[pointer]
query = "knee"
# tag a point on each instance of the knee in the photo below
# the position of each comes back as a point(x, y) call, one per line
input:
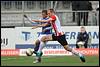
point(66, 47)
point(43, 39)
point(37, 42)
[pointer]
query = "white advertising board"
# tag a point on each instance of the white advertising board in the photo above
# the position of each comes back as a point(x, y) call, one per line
point(72, 31)
point(8, 38)
point(25, 35)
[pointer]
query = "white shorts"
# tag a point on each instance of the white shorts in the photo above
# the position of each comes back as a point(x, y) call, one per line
point(41, 35)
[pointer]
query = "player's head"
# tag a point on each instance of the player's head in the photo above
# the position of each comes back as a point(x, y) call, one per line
point(51, 12)
point(82, 29)
point(44, 13)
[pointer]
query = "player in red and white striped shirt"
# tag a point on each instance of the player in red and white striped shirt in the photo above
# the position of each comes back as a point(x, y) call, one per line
point(59, 34)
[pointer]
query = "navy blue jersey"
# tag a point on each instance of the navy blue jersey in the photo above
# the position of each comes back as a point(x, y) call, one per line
point(83, 36)
point(48, 28)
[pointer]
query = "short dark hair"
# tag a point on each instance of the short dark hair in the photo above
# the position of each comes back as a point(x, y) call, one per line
point(82, 27)
point(52, 10)
point(44, 11)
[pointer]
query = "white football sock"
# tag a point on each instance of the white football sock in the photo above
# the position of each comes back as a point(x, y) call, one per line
point(76, 52)
point(41, 46)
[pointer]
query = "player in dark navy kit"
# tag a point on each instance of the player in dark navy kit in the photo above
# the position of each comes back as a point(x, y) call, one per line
point(46, 30)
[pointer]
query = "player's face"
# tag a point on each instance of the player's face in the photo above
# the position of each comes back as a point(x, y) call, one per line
point(44, 15)
point(82, 30)
point(49, 13)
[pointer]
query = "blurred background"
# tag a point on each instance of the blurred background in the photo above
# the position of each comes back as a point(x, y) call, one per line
point(69, 12)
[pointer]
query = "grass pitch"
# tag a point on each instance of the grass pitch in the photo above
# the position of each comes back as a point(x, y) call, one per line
point(49, 61)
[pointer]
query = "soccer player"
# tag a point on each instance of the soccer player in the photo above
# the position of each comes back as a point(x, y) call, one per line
point(59, 34)
point(46, 30)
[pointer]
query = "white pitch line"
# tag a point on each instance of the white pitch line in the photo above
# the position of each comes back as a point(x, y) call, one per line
point(11, 59)
point(8, 59)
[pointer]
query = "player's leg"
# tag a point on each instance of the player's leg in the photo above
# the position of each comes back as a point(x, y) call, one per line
point(42, 39)
point(47, 38)
point(66, 47)
point(36, 48)
point(42, 42)
point(64, 43)
point(37, 43)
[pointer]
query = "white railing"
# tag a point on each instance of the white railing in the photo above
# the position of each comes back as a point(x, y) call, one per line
point(65, 16)
point(12, 12)
point(33, 5)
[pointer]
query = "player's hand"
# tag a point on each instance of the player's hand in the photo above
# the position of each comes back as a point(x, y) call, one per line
point(34, 27)
point(25, 16)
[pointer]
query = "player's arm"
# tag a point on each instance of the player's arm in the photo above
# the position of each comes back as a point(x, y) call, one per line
point(40, 25)
point(50, 19)
point(29, 19)
point(42, 20)
point(53, 18)
point(47, 28)
point(36, 20)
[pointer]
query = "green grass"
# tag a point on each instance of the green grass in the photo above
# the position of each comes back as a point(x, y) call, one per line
point(50, 61)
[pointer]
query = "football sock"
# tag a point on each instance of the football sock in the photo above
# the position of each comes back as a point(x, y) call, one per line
point(41, 46)
point(76, 52)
